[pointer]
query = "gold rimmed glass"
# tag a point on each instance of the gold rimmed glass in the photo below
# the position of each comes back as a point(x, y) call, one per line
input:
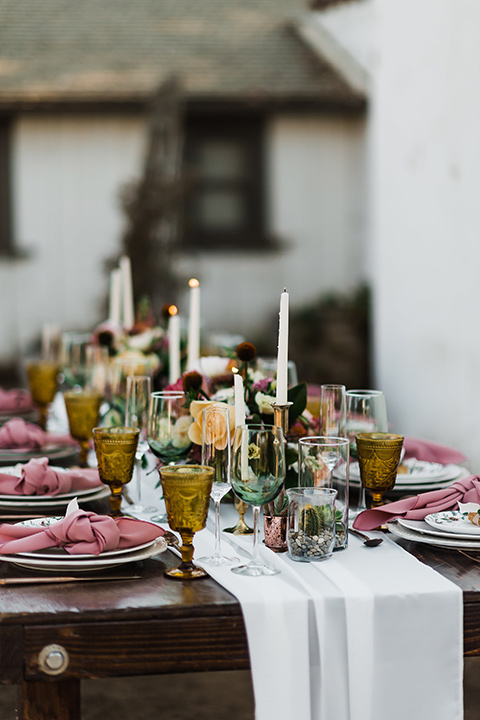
point(83, 409)
point(186, 490)
point(42, 378)
point(378, 456)
point(115, 449)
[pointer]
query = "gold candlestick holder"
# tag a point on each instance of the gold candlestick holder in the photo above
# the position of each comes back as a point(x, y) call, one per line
point(280, 417)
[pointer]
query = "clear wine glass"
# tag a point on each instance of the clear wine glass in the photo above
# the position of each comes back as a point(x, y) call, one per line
point(136, 415)
point(332, 410)
point(167, 430)
point(258, 473)
point(168, 424)
point(366, 412)
point(216, 453)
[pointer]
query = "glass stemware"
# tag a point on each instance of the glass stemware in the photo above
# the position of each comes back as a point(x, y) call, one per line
point(379, 456)
point(83, 409)
point(366, 412)
point(74, 358)
point(332, 410)
point(216, 453)
point(187, 491)
point(168, 424)
point(42, 378)
point(167, 430)
point(258, 473)
point(324, 462)
point(136, 415)
point(115, 449)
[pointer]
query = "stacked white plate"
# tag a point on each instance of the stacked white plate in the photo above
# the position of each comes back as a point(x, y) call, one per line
point(421, 476)
point(37, 502)
point(53, 451)
point(58, 560)
point(447, 529)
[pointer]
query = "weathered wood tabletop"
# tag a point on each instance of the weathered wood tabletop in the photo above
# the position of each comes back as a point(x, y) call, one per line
point(148, 625)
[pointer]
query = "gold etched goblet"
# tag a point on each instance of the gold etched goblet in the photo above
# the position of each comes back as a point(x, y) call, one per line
point(378, 456)
point(83, 409)
point(42, 378)
point(115, 448)
point(186, 490)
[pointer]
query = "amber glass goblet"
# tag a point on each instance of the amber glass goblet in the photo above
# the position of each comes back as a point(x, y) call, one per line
point(42, 378)
point(186, 490)
point(115, 448)
point(378, 457)
point(83, 410)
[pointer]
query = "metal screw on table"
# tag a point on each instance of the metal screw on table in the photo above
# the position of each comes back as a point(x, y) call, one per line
point(53, 659)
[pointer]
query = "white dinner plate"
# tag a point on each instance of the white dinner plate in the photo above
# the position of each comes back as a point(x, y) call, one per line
point(16, 471)
point(52, 452)
point(443, 541)
point(452, 522)
point(70, 564)
point(33, 501)
point(47, 553)
point(406, 482)
point(422, 527)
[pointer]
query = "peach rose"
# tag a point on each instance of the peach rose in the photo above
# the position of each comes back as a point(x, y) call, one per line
point(216, 431)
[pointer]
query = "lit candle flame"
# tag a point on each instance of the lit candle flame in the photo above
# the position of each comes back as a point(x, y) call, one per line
point(193, 282)
point(172, 310)
point(235, 370)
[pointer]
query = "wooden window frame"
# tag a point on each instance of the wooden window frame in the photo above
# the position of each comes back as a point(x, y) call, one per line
point(249, 131)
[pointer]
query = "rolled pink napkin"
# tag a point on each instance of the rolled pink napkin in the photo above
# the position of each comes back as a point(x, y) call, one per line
point(17, 434)
point(38, 478)
point(417, 507)
point(431, 452)
point(79, 532)
point(15, 400)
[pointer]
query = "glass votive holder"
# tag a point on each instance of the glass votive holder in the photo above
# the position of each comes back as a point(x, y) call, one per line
point(311, 523)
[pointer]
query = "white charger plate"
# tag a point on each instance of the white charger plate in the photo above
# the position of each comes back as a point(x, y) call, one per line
point(61, 552)
point(61, 498)
point(437, 541)
point(422, 527)
point(92, 563)
point(406, 482)
point(33, 501)
point(52, 452)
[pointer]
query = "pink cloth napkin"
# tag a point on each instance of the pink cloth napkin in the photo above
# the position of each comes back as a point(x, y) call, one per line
point(17, 434)
point(431, 451)
point(37, 478)
point(79, 532)
point(415, 508)
point(15, 400)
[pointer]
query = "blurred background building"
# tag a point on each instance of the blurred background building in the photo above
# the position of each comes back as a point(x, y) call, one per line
point(324, 146)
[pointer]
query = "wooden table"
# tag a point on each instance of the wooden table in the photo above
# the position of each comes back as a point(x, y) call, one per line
point(151, 625)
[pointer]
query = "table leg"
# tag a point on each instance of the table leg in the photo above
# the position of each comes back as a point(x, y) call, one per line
point(59, 700)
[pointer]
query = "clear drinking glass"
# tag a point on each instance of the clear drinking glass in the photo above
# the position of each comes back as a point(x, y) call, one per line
point(216, 453)
point(311, 526)
point(323, 462)
point(168, 424)
point(136, 415)
point(366, 412)
point(258, 473)
point(332, 410)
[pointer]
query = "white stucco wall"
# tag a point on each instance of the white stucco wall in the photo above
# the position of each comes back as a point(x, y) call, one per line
point(67, 172)
point(315, 171)
point(426, 216)
point(67, 175)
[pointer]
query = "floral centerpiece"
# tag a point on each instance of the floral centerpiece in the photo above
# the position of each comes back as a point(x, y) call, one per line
point(216, 387)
